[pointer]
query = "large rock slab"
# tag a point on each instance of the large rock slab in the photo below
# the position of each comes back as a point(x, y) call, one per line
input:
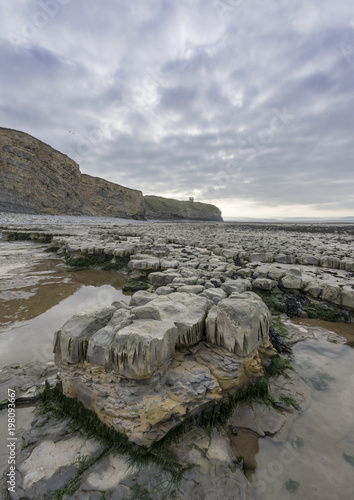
point(136, 341)
point(239, 323)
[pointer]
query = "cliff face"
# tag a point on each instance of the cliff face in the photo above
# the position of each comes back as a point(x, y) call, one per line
point(113, 200)
point(167, 208)
point(35, 178)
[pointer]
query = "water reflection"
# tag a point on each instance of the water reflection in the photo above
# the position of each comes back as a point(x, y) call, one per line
point(38, 293)
point(31, 340)
point(308, 462)
point(345, 330)
point(55, 284)
point(245, 444)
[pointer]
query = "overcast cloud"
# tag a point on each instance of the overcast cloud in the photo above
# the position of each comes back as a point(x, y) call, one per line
point(248, 104)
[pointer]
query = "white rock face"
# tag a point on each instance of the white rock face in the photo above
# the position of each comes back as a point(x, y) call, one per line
point(133, 341)
point(292, 280)
point(239, 323)
point(70, 341)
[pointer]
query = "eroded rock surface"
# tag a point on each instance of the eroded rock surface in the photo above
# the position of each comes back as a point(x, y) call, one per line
point(142, 368)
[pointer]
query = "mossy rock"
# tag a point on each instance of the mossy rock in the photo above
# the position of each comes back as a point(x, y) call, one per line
point(97, 260)
point(134, 285)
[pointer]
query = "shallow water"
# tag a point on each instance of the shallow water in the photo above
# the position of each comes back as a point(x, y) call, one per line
point(38, 294)
point(345, 330)
point(311, 460)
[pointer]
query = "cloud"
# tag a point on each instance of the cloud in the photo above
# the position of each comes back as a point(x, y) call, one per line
point(248, 104)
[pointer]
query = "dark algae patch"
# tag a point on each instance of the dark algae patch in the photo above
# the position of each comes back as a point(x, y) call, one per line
point(349, 458)
point(291, 485)
point(296, 305)
point(133, 285)
point(98, 260)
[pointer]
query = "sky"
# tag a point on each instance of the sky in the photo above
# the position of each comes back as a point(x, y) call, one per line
point(246, 104)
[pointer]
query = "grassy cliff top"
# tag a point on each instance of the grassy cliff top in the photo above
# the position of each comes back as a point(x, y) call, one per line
point(158, 207)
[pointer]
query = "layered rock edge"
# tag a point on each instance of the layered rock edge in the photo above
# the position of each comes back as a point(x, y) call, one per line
point(145, 366)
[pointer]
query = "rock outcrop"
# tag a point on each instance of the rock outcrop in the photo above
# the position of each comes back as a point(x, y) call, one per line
point(37, 179)
point(143, 367)
point(158, 207)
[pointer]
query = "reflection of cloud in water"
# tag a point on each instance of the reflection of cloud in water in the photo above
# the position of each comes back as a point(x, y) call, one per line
point(32, 340)
point(325, 428)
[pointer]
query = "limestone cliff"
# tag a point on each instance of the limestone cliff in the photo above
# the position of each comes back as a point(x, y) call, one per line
point(106, 198)
point(37, 179)
point(167, 208)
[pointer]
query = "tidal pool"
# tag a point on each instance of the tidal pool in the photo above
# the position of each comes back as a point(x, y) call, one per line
point(38, 293)
point(314, 458)
point(345, 330)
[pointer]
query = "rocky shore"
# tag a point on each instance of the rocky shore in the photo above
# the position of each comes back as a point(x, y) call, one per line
point(193, 335)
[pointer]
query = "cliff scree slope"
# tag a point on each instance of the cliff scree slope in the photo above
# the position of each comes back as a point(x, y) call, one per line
point(37, 179)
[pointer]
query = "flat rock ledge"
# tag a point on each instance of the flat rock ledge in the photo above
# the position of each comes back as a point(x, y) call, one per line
point(145, 366)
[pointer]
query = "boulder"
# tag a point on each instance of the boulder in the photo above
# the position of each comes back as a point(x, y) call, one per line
point(292, 280)
point(141, 348)
point(214, 294)
point(264, 284)
point(347, 265)
point(134, 342)
point(348, 297)
point(162, 279)
point(146, 264)
point(169, 264)
point(331, 262)
point(308, 260)
point(331, 293)
point(70, 342)
point(196, 289)
point(284, 259)
point(239, 324)
point(141, 297)
point(164, 290)
point(313, 289)
point(262, 257)
point(239, 286)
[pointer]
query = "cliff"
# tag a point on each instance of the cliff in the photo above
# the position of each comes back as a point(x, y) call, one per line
point(167, 208)
point(37, 179)
point(106, 198)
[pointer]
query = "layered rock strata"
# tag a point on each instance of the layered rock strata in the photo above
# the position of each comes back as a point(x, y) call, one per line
point(37, 179)
point(145, 366)
point(112, 200)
